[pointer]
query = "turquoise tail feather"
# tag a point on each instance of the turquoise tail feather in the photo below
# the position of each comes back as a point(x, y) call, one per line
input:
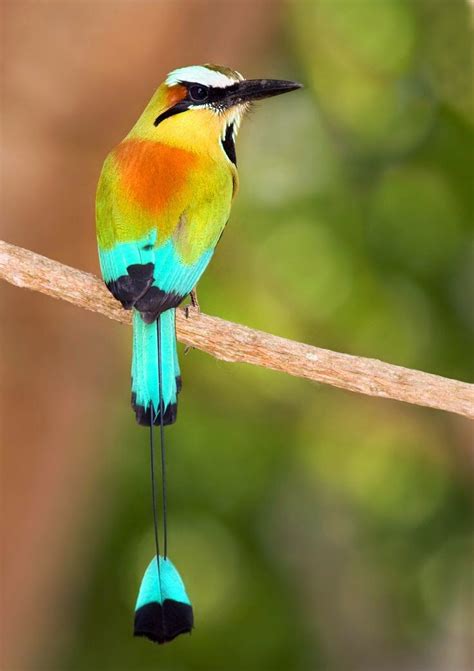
point(145, 379)
point(163, 609)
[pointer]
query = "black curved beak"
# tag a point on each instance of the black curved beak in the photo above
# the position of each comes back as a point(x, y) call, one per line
point(257, 89)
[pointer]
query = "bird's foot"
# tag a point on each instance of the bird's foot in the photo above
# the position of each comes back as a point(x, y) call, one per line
point(194, 300)
point(194, 304)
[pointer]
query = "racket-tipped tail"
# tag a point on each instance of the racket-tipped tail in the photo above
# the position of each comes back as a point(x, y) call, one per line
point(163, 609)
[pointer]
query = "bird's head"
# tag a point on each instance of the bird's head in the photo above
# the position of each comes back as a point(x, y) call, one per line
point(202, 105)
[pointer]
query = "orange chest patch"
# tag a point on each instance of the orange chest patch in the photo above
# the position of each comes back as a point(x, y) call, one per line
point(152, 173)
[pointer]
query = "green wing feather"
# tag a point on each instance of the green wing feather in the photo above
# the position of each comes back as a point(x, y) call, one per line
point(129, 235)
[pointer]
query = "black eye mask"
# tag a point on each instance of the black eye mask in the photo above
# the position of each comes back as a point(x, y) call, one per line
point(198, 94)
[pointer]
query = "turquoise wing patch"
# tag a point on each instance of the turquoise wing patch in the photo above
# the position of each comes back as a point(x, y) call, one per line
point(115, 262)
point(172, 275)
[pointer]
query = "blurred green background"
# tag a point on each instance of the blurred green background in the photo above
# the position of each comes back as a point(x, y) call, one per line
point(315, 529)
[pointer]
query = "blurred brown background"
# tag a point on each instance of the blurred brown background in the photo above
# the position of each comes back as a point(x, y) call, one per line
point(392, 114)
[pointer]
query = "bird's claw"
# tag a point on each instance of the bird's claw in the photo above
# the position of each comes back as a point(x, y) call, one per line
point(194, 300)
point(195, 306)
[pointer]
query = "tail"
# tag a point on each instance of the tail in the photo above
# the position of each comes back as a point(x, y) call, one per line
point(163, 610)
point(145, 382)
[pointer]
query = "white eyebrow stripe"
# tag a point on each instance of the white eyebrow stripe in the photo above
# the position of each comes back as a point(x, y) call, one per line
point(200, 75)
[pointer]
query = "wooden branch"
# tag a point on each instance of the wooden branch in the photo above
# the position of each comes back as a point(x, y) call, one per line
point(233, 342)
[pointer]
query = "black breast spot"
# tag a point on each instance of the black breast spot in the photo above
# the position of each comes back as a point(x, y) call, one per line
point(229, 144)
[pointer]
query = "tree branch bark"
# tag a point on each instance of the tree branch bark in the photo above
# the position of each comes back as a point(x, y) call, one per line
point(235, 343)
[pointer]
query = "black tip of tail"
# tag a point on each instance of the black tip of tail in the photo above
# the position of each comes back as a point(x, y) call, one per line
point(161, 623)
point(143, 414)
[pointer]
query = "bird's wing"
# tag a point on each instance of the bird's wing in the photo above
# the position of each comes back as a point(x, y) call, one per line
point(160, 213)
point(126, 254)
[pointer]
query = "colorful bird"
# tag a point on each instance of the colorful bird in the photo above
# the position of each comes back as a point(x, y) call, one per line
point(163, 200)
